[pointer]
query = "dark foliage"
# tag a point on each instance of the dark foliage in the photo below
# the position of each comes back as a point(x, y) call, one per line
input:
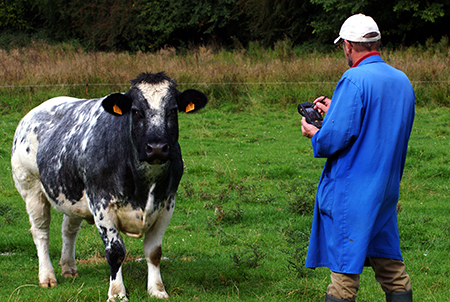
point(146, 25)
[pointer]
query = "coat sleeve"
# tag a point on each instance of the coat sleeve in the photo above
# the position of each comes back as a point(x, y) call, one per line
point(342, 124)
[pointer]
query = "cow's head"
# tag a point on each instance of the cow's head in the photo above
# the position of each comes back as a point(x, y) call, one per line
point(153, 103)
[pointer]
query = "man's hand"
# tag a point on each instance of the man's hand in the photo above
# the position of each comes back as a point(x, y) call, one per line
point(308, 130)
point(322, 104)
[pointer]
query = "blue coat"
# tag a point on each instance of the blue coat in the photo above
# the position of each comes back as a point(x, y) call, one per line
point(364, 138)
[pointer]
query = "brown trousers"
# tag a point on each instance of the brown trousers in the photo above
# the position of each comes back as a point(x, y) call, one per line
point(389, 273)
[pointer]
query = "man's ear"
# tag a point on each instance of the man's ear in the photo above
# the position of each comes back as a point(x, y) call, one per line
point(348, 44)
point(191, 100)
point(117, 104)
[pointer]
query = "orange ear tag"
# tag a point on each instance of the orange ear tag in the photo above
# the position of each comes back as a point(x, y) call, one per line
point(190, 107)
point(117, 110)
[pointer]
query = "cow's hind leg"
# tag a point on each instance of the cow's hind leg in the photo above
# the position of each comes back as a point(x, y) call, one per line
point(153, 252)
point(70, 228)
point(38, 209)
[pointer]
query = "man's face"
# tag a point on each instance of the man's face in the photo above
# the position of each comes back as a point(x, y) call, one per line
point(347, 50)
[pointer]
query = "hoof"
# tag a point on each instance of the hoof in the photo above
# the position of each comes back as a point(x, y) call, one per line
point(51, 282)
point(117, 298)
point(70, 273)
point(160, 295)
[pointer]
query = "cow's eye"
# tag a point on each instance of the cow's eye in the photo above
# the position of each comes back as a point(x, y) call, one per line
point(174, 111)
point(136, 113)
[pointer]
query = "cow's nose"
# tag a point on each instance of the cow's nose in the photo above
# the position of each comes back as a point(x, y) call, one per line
point(157, 153)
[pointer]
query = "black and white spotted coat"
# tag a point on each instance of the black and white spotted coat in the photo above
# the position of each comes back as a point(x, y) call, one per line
point(114, 161)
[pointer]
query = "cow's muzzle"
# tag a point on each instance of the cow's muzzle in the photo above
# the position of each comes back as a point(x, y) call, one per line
point(157, 153)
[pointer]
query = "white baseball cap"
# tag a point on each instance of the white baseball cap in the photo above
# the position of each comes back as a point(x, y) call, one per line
point(356, 27)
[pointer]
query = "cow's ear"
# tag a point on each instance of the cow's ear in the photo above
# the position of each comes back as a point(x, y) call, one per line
point(117, 104)
point(191, 100)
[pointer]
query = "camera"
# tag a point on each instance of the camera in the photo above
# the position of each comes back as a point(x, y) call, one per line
point(312, 116)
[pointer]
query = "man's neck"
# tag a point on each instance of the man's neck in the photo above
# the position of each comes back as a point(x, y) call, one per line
point(361, 56)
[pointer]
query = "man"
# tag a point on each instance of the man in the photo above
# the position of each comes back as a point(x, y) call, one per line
point(364, 137)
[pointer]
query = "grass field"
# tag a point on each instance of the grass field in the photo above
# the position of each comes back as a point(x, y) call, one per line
point(244, 207)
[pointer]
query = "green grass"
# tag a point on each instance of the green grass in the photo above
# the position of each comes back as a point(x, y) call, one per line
point(241, 225)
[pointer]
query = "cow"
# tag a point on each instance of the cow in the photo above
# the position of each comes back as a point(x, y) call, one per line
point(114, 162)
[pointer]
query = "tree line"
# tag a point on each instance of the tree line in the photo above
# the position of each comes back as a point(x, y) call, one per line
point(147, 25)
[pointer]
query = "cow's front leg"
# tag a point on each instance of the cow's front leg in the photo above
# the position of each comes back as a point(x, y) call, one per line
point(105, 221)
point(153, 251)
point(70, 228)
